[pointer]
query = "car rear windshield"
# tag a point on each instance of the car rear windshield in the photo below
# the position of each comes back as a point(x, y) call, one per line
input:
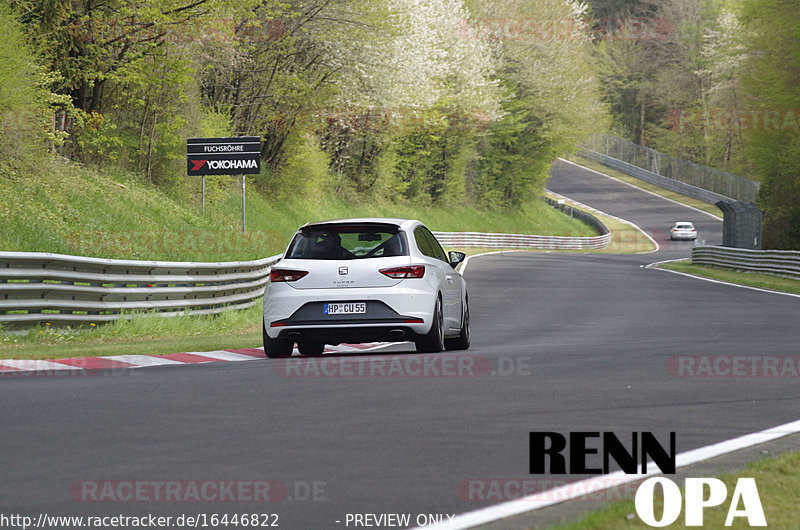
point(348, 242)
point(684, 226)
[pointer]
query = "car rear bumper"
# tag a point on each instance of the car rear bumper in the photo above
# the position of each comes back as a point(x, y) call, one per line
point(393, 314)
point(349, 334)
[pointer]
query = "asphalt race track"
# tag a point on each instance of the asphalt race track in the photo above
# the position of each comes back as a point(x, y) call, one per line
point(561, 342)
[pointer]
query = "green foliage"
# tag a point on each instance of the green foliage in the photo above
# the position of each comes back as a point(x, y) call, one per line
point(391, 100)
point(550, 98)
point(387, 186)
point(431, 164)
point(306, 171)
point(420, 165)
point(514, 160)
point(94, 138)
point(18, 70)
point(26, 120)
point(676, 88)
point(215, 123)
point(772, 78)
point(460, 165)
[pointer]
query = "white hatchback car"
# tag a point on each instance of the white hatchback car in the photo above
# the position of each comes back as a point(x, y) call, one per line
point(683, 230)
point(363, 280)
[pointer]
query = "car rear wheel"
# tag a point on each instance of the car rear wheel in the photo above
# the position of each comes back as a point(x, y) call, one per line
point(462, 341)
point(276, 348)
point(310, 348)
point(433, 341)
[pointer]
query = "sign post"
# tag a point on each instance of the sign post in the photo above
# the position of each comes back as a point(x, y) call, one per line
point(239, 155)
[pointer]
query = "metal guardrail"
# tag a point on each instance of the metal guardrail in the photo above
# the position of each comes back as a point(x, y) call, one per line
point(778, 262)
point(39, 286)
point(722, 183)
point(586, 217)
point(523, 241)
point(654, 178)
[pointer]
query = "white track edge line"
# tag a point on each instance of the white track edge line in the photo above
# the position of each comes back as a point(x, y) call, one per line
point(642, 189)
point(584, 487)
point(463, 267)
point(655, 266)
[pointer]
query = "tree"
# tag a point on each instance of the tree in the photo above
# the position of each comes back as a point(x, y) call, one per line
point(551, 101)
point(26, 120)
point(772, 75)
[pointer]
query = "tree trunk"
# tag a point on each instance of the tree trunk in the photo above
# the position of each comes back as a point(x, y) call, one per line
point(640, 141)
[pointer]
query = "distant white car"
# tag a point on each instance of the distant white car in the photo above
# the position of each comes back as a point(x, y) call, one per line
point(683, 230)
point(363, 280)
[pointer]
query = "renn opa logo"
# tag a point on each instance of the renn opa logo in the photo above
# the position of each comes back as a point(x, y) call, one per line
point(546, 456)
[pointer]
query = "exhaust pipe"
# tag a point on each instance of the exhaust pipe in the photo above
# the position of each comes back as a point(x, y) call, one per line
point(397, 333)
point(294, 335)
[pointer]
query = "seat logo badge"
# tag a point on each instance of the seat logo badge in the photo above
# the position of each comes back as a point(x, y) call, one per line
point(342, 271)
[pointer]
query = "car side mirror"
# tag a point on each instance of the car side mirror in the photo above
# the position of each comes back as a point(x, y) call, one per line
point(456, 257)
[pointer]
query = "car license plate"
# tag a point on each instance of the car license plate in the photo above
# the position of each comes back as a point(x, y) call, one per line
point(352, 308)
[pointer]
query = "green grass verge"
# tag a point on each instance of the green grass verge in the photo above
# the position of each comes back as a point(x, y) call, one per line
point(753, 279)
point(683, 199)
point(150, 335)
point(625, 239)
point(778, 481)
point(152, 345)
point(72, 209)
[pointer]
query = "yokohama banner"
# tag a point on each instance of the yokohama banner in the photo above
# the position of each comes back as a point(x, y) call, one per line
point(223, 156)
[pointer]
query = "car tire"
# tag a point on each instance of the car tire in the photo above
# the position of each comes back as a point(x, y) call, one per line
point(276, 348)
point(433, 341)
point(462, 341)
point(314, 349)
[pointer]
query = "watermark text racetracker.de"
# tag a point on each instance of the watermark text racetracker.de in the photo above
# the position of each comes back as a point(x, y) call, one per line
point(404, 365)
point(546, 29)
point(196, 491)
point(368, 119)
point(183, 30)
point(6, 373)
point(734, 120)
point(734, 366)
point(602, 488)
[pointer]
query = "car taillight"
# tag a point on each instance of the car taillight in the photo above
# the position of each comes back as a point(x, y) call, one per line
point(409, 271)
point(285, 275)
